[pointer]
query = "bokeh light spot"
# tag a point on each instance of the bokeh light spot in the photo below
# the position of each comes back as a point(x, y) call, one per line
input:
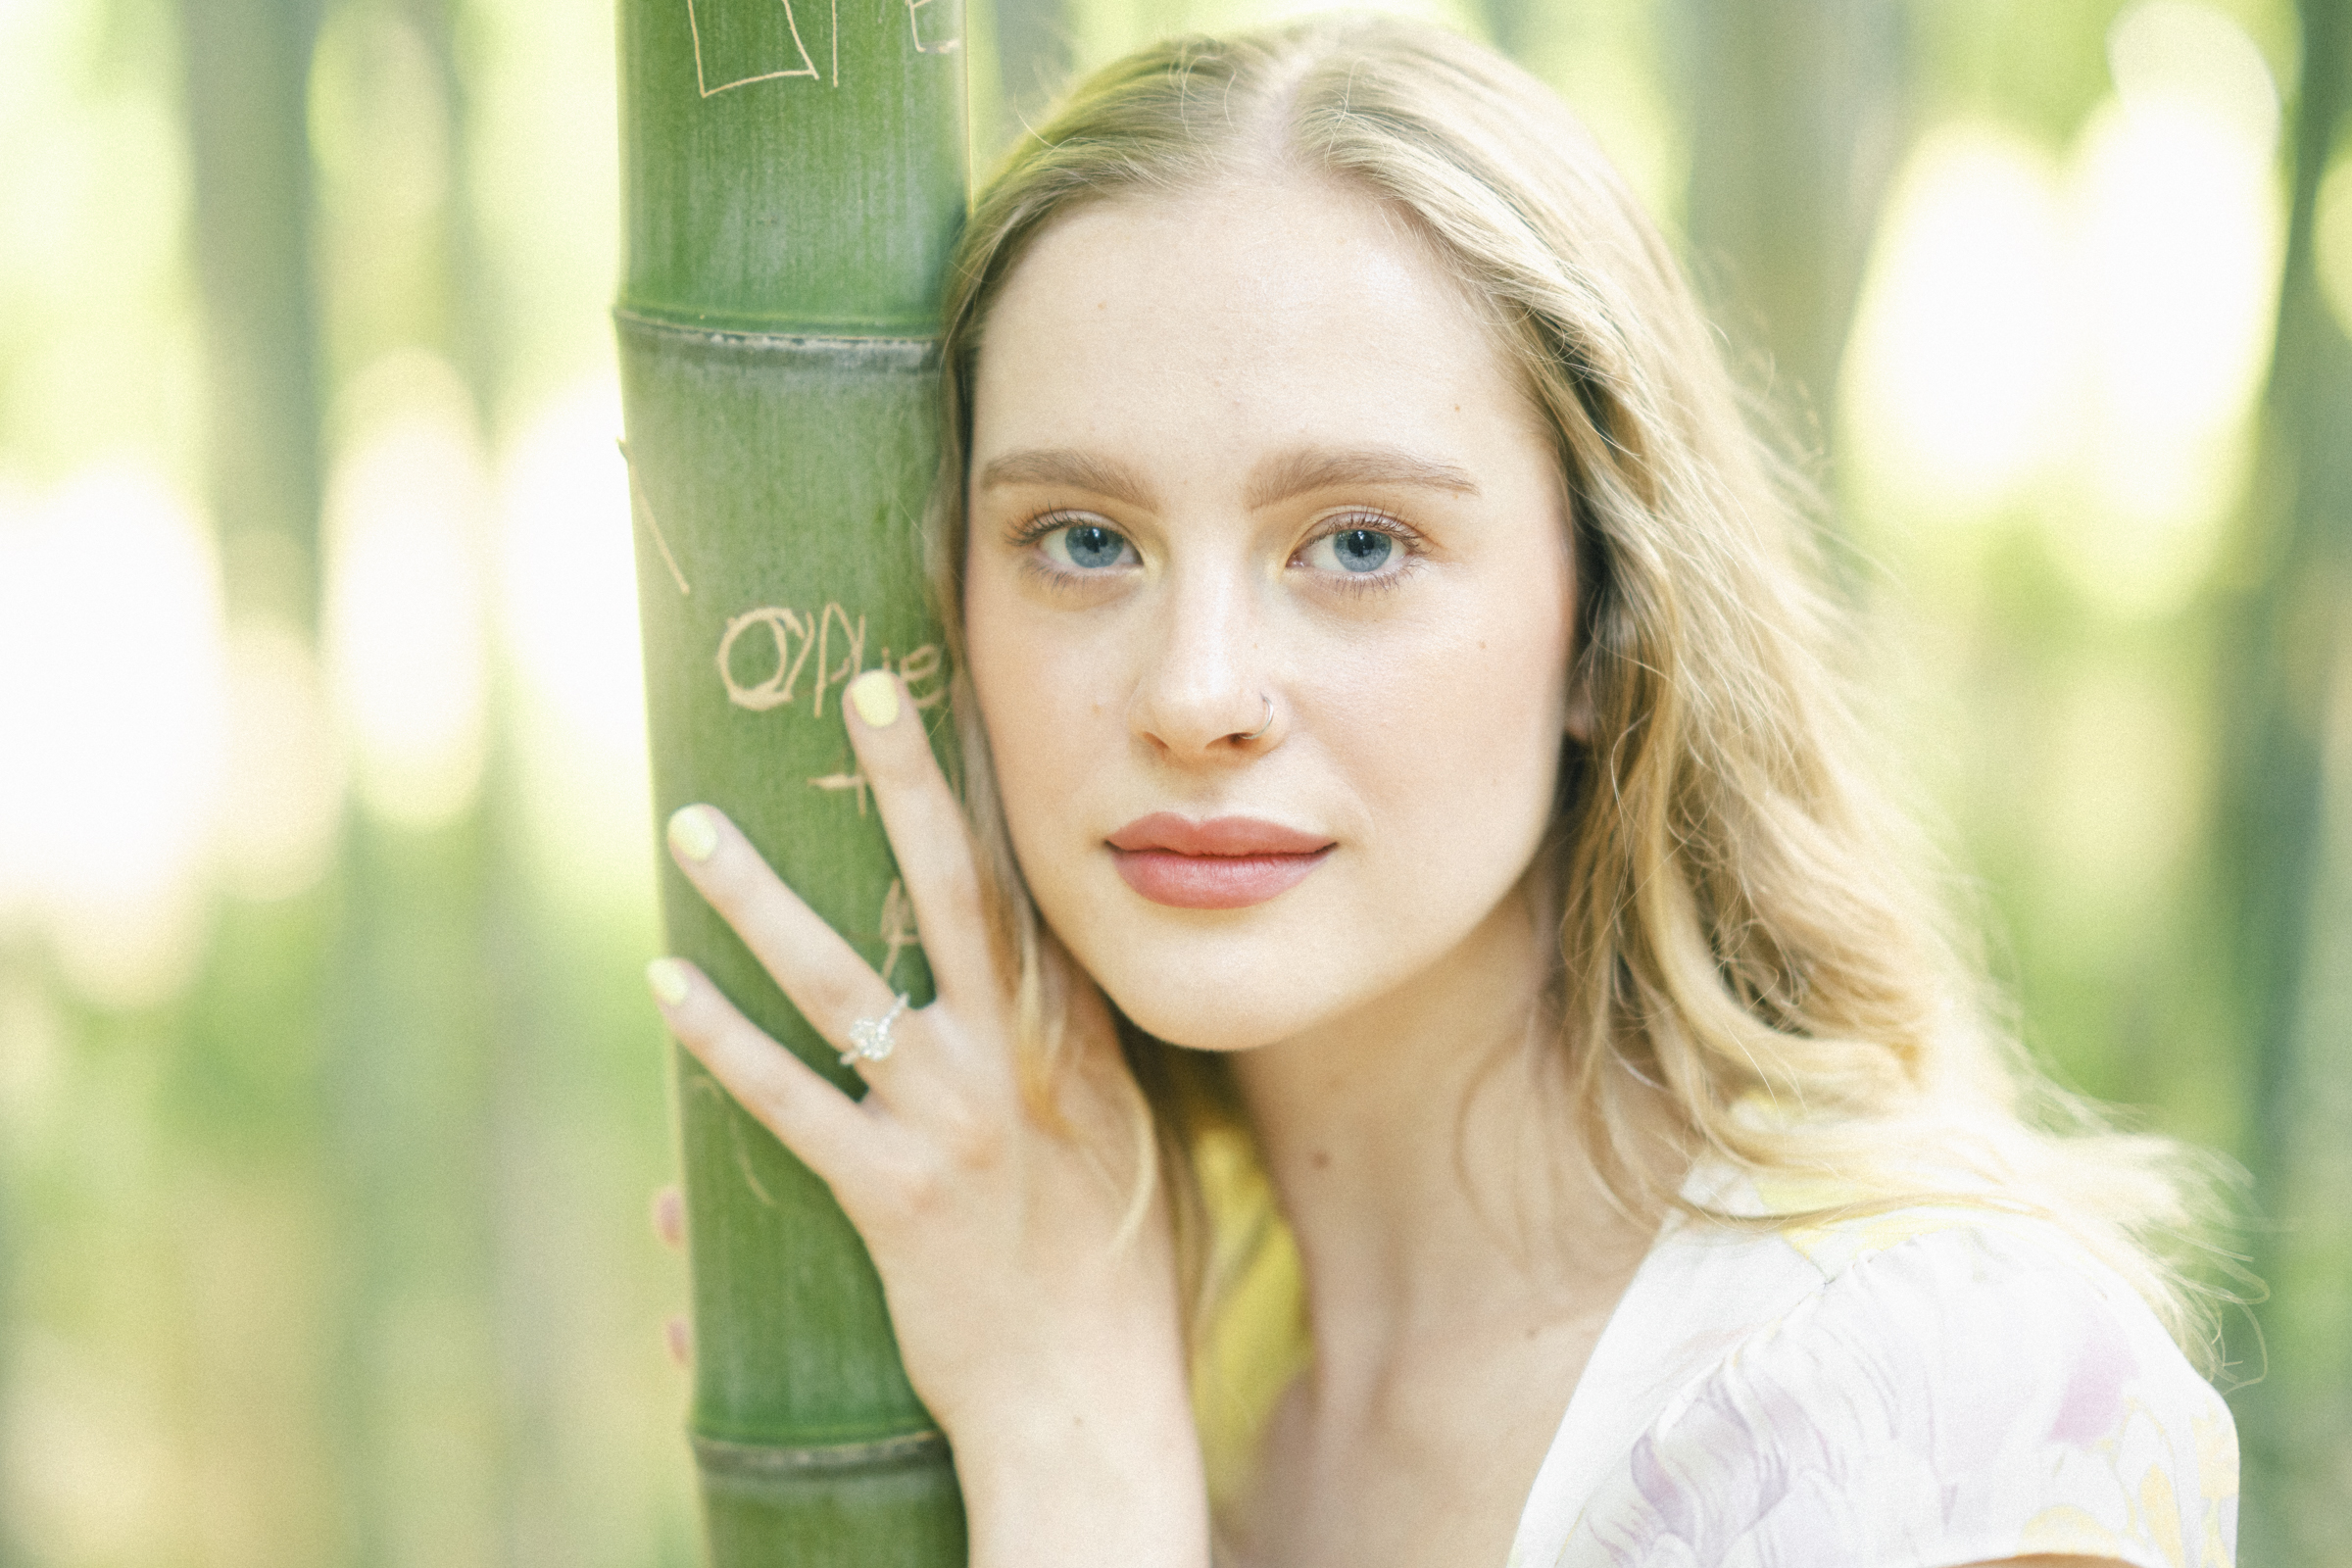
point(111, 695)
point(2179, 49)
point(404, 608)
point(282, 804)
point(568, 581)
point(2178, 244)
point(2082, 347)
point(1957, 375)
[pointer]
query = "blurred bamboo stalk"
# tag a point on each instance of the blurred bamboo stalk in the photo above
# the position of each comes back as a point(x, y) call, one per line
point(2287, 665)
point(437, 1028)
point(340, 1043)
point(1796, 121)
point(242, 1082)
point(246, 66)
point(793, 176)
point(1035, 56)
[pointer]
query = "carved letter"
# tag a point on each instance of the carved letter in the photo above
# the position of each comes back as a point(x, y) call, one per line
point(776, 690)
point(736, 42)
point(914, 26)
point(842, 674)
point(922, 666)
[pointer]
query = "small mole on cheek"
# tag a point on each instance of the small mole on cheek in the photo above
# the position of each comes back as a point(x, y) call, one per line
point(1320, 1159)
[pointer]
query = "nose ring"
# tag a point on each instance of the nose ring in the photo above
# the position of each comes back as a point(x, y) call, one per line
point(1267, 725)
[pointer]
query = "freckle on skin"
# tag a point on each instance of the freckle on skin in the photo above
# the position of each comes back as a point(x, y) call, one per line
point(1320, 1160)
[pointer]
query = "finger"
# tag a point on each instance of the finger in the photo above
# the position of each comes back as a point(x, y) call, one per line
point(785, 1095)
point(825, 977)
point(669, 1218)
point(927, 832)
point(679, 1339)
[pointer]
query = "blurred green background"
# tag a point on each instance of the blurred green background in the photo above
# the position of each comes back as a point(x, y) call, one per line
point(329, 1103)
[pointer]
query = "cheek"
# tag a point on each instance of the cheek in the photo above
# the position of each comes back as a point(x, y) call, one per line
point(1036, 705)
point(1005, 678)
point(1467, 744)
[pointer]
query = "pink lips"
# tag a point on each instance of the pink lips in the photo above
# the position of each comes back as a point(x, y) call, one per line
point(1227, 862)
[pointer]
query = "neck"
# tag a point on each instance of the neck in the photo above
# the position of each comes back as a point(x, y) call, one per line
point(1425, 1156)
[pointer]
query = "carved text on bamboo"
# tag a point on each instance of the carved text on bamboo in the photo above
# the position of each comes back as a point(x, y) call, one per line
point(739, 42)
point(780, 646)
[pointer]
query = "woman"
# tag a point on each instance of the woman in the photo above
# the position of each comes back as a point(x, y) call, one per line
point(1401, 758)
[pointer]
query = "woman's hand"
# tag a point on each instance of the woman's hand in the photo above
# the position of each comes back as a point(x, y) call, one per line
point(1039, 1324)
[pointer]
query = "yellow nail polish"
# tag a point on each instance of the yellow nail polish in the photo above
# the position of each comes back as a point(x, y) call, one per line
point(667, 978)
point(692, 833)
point(875, 695)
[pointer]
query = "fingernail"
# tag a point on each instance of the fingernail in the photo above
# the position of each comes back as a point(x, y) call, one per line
point(668, 977)
point(693, 834)
point(875, 695)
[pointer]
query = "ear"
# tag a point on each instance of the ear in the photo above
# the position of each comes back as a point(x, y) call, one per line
point(1579, 722)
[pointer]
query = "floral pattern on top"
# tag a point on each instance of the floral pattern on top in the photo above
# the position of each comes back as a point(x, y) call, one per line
point(1917, 1390)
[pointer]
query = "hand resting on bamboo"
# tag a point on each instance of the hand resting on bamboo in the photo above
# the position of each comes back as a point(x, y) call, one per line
point(1035, 1302)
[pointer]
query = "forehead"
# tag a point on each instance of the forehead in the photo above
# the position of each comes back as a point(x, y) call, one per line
point(1284, 309)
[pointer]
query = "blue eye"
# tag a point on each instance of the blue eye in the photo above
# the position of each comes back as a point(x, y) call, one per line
point(1361, 549)
point(1087, 547)
point(1354, 550)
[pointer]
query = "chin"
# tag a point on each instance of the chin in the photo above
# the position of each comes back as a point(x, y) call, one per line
point(1200, 1023)
point(1237, 991)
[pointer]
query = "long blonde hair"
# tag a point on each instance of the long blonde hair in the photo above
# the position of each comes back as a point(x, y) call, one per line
point(1747, 924)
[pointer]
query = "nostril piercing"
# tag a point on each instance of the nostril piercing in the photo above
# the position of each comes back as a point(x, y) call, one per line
point(1267, 725)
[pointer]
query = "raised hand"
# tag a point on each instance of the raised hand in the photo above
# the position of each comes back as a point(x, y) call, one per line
point(1038, 1319)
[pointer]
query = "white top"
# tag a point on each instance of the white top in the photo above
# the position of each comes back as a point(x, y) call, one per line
point(1916, 1389)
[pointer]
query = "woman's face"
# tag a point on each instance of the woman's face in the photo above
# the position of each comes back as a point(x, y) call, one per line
point(1245, 459)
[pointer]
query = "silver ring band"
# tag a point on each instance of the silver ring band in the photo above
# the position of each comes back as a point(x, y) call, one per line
point(869, 1037)
point(1267, 725)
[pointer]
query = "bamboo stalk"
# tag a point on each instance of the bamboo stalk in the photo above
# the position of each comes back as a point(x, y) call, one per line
point(1796, 114)
point(2284, 654)
point(244, 64)
point(244, 1114)
point(793, 173)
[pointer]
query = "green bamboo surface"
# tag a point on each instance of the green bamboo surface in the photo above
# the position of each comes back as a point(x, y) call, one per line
point(793, 175)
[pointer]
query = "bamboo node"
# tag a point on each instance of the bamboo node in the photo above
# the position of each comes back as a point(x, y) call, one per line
point(717, 1457)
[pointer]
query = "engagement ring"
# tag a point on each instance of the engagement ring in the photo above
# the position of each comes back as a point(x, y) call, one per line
point(869, 1037)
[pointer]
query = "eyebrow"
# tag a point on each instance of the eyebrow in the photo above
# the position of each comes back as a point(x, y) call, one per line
point(1299, 472)
point(1060, 465)
point(1309, 469)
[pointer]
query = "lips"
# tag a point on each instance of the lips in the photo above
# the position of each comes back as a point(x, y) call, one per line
point(1227, 862)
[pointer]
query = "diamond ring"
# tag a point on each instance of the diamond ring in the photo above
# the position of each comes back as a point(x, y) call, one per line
point(869, 1037)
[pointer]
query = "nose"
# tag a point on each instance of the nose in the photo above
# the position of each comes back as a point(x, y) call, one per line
point(1203, 694)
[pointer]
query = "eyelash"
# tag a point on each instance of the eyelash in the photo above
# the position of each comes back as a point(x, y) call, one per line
point(1365, 584)
point(1025, 536)
point(1027, 533)
point(1030, 529)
